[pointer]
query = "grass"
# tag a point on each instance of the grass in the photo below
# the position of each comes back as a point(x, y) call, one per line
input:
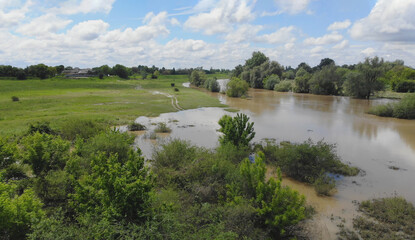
point(111, 100)
point(386, 218)
point(404, 109)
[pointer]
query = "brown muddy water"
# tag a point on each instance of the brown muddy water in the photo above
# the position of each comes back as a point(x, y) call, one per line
point(384, 148)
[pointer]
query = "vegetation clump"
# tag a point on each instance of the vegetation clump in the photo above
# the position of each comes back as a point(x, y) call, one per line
point(136, 127)
point(162, 128)
point(308, 162)
point(386, 218)
point(404, 109)
point(15, 99)
point(284, 86)
point(237, 87)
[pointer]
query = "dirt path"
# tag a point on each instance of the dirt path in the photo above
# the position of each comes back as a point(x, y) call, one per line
point(174, 101)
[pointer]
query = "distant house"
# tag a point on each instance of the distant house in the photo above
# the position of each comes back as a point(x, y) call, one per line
point(78, 73)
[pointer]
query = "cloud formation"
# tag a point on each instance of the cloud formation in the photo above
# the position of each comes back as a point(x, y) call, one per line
point(389, 20)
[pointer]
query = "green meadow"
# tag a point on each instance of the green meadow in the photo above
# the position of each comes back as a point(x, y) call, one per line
point(110, 100)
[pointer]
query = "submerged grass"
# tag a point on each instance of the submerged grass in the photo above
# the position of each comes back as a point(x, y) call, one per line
point(110, 100)
point(386, 218)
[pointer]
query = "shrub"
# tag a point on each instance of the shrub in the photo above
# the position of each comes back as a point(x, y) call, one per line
point(162, 128)
point(405, 86)
point(404, 109)
point(15, 99)
point(324, 184)
point(18, 213)
point(237, 88)
point(136, 127)
point(41, 127)
point(101, 76)
point(284, 86)
point(386, 218)
point(212, 85)
point(85, 129)
point(176, 89)
point(172, 84)
point(307, 160)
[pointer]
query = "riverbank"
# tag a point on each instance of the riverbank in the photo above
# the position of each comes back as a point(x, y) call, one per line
point(110, 100)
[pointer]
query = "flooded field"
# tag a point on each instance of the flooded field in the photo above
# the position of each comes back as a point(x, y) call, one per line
point(384, 148)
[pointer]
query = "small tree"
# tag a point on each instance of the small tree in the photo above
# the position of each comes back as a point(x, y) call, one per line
point(236, 130)
point(197, 78)
point(121, 71)
point(236, 87)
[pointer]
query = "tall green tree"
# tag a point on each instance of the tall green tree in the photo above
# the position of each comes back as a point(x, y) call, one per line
point(257, 59)
point(236, 130)
point(367, 81)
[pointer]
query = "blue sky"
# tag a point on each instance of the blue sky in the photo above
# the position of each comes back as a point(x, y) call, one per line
point(208, 33)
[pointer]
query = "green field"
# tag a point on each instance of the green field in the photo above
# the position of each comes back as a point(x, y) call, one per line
point(111, 100)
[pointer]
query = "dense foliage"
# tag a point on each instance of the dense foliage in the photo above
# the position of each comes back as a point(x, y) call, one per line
point(237, 88)
point(236, 130)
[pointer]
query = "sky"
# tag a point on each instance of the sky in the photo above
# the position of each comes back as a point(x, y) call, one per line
point(204, 33)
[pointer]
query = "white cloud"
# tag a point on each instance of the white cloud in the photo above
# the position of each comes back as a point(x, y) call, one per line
point(326, 39)
point(70, 7)
point(339, 25)
point(14, 16)
point(245, 32)
point(369, 52)
point(389, 20)
point(344, 44)
point(282, 35)
point(317, 49)
point(289, 6)
point(88, 30)
point(43, 25)
point(222, 17)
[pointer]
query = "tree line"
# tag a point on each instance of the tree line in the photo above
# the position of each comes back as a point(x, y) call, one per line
point(360, 80)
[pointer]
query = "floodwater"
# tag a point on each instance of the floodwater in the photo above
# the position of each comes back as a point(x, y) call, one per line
point(374, 144)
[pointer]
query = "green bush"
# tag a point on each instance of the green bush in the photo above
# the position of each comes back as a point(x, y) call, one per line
point(405, 86)
point(382, 110)
point(237, 88)
point(41, 127)
point(18, 213)
point(212, 85)
point(44, 152)
point(136, 127)
point(162, 128)
point(307, 160)
point(15, 99)
point(284, 86)
point(324, 184)
point(404, 109)
point(85, 129)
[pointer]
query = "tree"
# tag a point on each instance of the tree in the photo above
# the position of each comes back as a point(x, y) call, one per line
point(277, 207)
point(236, 87)
point(257, 59)
point(255, 78)
point(197, 78)
point(302, 81)
point(305, 66)
point(18, 213)
point(21, 75)
point(44, 152)
point(270, 82)
point(114, 190)
point(325, 62)
point(121, 71)
point(367, 80)
point(59, 69)
point(326, 81)
point(236, 130)
point(237, 71)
